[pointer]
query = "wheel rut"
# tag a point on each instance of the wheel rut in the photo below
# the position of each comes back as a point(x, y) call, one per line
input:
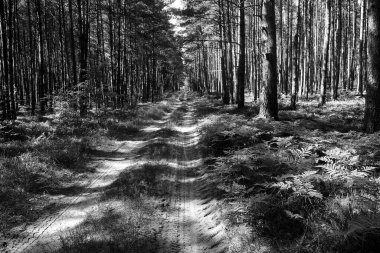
point(191, 218)
point(192, 221)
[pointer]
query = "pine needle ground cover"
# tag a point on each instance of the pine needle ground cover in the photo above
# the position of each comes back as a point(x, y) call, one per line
point(307, 183)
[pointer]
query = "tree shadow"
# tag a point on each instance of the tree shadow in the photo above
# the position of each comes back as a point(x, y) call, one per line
point(131, 215)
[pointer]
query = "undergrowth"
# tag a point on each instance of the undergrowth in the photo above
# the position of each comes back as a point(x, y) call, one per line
point(129, 219)
point(33, 171)
point(127, 226)
point(42, 157)
point(300, 189)
point(150, 180)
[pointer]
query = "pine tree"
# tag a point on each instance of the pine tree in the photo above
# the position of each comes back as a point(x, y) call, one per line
point(372, 108)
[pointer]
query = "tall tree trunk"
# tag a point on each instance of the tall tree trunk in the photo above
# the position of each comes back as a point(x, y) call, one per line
point(32, 61)
point(5, 63)
point(281, 72)
point(269, 103)
point(339, 51)
point(230, 54)
point(11, 23)
point(326, 50)
point(241, 70)
point(360, 66)
point(83, 52)
point(72, 45)
point(223, 48)
point(41, 59)
point(297, 60)
point(372, 108)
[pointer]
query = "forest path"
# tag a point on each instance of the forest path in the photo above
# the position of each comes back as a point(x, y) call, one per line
point(190, 217)
point(45, 235)
point(193, 224)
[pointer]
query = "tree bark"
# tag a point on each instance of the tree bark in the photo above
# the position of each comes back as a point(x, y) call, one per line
point(72, 44)
point(241, 70)
point(372, 108)
point(269, 102)
point(326, 49)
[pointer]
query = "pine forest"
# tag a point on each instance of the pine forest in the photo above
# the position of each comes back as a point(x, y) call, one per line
point(190, 126)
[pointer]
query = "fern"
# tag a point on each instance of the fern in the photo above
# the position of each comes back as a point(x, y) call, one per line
point(299, 186)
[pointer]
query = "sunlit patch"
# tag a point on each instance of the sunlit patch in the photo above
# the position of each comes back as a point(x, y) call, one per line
point(163, 121)
point(188, 117)
point(73, 219)
point(151, 129)
point(185, 144)
point(115, 167)
point(187, 180)
point(185, 129)
point(190, 164)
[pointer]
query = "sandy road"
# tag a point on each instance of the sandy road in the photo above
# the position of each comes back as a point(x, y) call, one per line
point(192, 226)
point(191, 220)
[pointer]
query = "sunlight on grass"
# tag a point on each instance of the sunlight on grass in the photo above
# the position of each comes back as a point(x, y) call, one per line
point(120, 226)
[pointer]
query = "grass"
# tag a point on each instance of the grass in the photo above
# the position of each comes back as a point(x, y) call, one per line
point(122, 131)
point(149, 180)
point(127, 226)
point(13, 148)
point(43, 157)
point(129, 218)
point(154, 112)
point(303, 184)
point(28, 173)
point(44, 163)
point(177, 115)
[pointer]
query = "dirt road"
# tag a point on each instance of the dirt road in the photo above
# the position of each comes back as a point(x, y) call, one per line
point(194, 226)
point(190, 220)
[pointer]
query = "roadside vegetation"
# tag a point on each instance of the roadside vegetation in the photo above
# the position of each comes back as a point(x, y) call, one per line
point(45, 157)
point(307, 183)
point(130, 214)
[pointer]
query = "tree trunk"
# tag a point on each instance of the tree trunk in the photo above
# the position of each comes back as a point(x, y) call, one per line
point(241, 70)
point(326, 49)
point(297, 60)
point(372, 108)
point(269, 103)
point(72, 44)
point(360, 67)
point(4, 44)
point(339, 51)
point(83, 52)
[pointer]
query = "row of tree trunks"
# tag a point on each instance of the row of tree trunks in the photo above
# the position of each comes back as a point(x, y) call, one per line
point(85, 52)
point(320, 50)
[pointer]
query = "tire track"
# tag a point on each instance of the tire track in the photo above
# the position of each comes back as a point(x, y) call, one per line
point(191, 222)
point(195, 224)
point(45, 235)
